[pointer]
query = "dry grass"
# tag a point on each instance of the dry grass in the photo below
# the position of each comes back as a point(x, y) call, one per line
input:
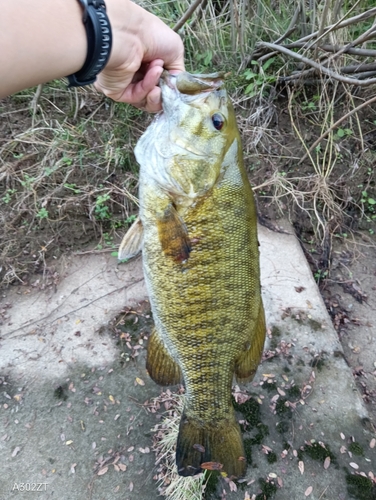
point(171, 485)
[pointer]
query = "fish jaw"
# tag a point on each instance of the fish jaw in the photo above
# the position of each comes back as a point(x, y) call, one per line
point(182, 151)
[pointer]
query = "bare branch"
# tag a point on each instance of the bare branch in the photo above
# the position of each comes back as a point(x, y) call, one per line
point(319, 67)
point(187, 15)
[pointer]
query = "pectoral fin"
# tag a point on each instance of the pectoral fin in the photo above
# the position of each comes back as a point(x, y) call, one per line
point(173, 235)
point(132, 241)
point(246, 365)
point(160, 365)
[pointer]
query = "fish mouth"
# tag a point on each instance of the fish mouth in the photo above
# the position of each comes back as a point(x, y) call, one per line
point(189, 84)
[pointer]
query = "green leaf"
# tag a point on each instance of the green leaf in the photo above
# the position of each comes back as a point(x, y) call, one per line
point(371, 201)
point(250, 74)
point(268, 63)
point(340, 132)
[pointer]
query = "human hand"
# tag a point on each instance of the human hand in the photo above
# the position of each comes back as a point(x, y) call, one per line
point(142, 47)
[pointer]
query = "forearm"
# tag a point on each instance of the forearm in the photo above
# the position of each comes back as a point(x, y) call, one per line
point(39, 40)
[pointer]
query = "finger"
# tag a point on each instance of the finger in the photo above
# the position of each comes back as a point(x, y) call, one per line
point(154, 100)
point(137, 92)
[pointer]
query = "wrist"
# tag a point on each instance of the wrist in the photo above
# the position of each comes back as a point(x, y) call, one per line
point(127, 24)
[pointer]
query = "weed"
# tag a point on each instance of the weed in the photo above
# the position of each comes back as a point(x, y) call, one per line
point(260, 82)
point(42, 213)
point(7, 198)
point(317, 451)
point(360, 487)
point(268, 489)
point(101, 209)
point(73, 187)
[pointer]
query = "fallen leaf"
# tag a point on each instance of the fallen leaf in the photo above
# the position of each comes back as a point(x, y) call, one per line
point(232, 486)
point(122, 467)
point(69, 442)
point(140, 381)
point(211, 466)
point(308, 491)
point(372, 444)
point(15, 451)
point(72, 469)
point(102, 471)
point(326, 462)
point(354, 465)
point(301, 467)
point(131, 486)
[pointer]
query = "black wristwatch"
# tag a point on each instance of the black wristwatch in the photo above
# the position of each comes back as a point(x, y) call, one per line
point(99, 42)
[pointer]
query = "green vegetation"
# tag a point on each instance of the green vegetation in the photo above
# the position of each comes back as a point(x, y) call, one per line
point(360, 487)
point(268, 489)
point(317, 451)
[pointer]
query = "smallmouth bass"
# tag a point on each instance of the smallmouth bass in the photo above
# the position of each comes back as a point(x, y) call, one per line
point(198, 234)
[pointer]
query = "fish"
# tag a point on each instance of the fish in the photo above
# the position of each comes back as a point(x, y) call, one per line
point(197, 230)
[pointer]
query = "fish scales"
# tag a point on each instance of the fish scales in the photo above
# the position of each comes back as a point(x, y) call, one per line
point(200, 258)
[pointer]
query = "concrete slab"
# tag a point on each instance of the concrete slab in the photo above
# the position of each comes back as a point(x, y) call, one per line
point(72, 416)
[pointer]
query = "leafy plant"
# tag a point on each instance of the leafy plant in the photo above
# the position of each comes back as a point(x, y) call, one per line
point(8, 195)
point(369, 204)
point(259, 80)
point(343, 132)
point(73, 187)
point(42, 213)
point(101, 210)
point(27, 181)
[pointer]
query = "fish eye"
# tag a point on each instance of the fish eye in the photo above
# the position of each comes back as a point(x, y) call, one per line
point(218, 121)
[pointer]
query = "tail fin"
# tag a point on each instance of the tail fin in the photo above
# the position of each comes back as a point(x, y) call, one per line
point(216, 446)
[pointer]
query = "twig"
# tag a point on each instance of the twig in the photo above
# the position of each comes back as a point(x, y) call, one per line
point(187, 15)
point(359, 68)
point(332, 48)
point(353, 20)
point(338, 122)
point(325, 31)
point(291, 27)
point(72, 311)
point(319, 67)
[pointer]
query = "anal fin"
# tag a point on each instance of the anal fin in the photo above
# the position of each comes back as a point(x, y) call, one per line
point(246, 365)
point(132, 241)
point(160, 365)
point(173, 235)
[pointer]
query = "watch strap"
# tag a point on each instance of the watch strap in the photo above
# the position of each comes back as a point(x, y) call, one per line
point(99, 39)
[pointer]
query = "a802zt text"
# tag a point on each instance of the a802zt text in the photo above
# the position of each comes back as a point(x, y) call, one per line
point(30, 487)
